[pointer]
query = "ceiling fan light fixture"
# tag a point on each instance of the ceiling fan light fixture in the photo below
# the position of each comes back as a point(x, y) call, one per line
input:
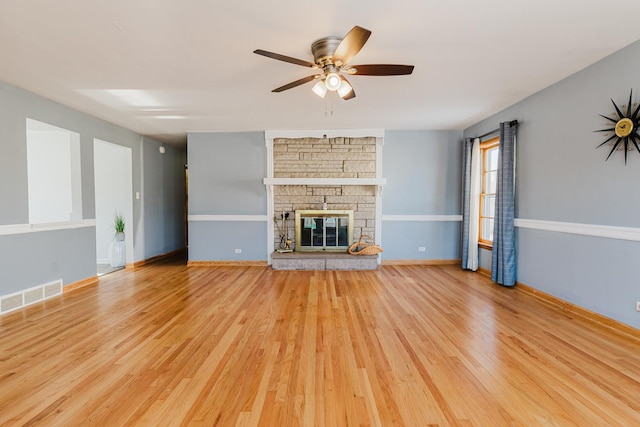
point(319, 89)
point(332, 81)
point(332, 55)
point(344, 89)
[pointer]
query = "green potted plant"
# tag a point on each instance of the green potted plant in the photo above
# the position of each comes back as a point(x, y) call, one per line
point(118, 225)
point(117, 247)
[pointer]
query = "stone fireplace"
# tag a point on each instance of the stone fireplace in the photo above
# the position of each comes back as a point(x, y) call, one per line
point(317, 173)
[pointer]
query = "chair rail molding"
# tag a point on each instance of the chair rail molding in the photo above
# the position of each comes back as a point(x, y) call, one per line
point(606, 231)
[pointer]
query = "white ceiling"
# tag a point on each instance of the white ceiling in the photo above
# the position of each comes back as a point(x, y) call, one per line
point(192, 64)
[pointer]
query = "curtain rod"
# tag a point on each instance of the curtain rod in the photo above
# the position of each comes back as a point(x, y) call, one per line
point(511, 123)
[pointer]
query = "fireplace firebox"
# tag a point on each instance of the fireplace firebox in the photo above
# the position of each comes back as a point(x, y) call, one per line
point(323, 230)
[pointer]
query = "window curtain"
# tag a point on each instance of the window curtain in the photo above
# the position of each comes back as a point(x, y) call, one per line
point(503, 263)
point(470, 203)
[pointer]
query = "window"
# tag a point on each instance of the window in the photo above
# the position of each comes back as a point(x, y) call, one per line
point(489, 154)
point(53, 171)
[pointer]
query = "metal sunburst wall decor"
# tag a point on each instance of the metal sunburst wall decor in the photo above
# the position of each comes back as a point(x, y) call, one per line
point(625, 129)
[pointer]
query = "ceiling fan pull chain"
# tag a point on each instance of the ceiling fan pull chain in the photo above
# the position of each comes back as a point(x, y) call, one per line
point(328, 108)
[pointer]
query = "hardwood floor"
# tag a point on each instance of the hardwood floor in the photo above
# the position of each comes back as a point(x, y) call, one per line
point(173, 345)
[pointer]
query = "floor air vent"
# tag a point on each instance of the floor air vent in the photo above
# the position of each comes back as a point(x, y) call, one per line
point(29, 296)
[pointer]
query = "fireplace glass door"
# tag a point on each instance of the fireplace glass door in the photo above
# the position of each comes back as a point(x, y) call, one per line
point(324, 230)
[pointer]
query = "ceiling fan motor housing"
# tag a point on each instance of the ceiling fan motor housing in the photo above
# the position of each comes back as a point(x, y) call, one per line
point(323, 49)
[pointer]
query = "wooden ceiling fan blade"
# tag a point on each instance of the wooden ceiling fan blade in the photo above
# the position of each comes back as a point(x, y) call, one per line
point(381, 70)
point(296, 83)
point(285, 58)
point(351, 45)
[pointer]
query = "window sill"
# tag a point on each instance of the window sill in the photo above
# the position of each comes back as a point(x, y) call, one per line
point(486, 246)
point(6, 230)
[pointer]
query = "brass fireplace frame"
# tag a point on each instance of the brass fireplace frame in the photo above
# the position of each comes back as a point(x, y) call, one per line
point(320, 213)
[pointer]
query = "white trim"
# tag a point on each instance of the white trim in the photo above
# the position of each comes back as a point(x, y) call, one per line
point(383, 181)
point(268, 139)
point(248, 218)
point(327, 133)
point(378, 220)
point(269, 143)
point(422, 218)
point(325, 181)
point(607, 231)
point(6, 230)
point(379, 145)
point(270, 224)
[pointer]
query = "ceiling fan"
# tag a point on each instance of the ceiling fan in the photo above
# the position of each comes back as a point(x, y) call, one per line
point(332, 55)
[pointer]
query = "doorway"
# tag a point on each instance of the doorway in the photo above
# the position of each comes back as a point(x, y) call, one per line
point(113, 176)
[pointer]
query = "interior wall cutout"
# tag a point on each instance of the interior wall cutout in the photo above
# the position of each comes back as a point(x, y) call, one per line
point(53, 168)
point(114, 193)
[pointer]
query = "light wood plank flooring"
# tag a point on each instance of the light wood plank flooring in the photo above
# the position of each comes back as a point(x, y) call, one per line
point(420, 346)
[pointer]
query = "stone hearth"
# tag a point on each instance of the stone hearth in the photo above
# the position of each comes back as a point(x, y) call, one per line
point(322, 261)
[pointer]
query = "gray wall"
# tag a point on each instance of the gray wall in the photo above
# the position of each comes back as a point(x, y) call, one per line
point(218, 240)
point(31, 259)
point(423, 172)
point(562, 177)
point(226, 172)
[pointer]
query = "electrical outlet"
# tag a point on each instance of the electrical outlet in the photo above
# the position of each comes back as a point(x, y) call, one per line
point(421, 249)
point(637, 305)
point(238, 251)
